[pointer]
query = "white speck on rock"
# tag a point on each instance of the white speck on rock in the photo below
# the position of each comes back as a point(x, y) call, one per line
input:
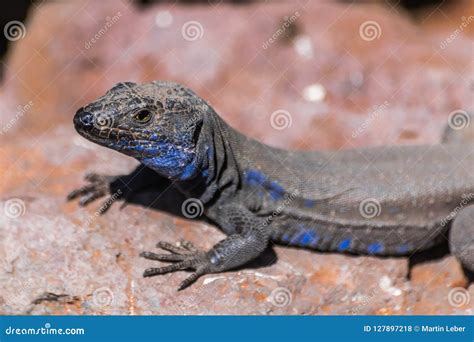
point(209, 280)
point(358, 297)
point(314, 92)
point(304, 46)
point(163, 19)
point(396, 291)
point(291, 268)
point(262, 275)
point(385, 284)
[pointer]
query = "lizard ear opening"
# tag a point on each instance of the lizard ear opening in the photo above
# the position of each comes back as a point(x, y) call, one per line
point(197, 131)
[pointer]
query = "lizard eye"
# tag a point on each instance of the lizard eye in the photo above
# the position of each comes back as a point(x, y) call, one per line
point(142, 116)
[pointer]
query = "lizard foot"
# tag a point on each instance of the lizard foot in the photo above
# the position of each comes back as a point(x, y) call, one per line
point(183, 256)
point(99, 187)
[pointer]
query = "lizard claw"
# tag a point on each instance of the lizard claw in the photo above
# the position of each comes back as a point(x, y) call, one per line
point(183, 256)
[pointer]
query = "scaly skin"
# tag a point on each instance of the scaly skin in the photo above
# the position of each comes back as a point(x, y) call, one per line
point(382, 201)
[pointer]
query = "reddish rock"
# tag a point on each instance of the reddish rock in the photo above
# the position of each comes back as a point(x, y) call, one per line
point(433, 283)
point(446, 272)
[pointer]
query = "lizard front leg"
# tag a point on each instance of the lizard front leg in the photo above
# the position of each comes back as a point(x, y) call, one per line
point(247, 240)
point(115, 187)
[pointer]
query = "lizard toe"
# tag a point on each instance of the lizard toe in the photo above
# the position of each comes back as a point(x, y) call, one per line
point(192, 278)
point(98, 178)
point(162, 257)
point(183, 247)
point(90, 197)
point(188, 245)
point(80, 192)
point(184, 256)
point(185, 264)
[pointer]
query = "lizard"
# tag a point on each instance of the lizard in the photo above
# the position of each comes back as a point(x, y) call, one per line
point(382, 201)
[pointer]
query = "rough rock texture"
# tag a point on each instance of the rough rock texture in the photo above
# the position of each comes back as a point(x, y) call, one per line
point(337, 89)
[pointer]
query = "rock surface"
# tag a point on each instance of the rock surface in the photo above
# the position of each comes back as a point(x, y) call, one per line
point(339, 89)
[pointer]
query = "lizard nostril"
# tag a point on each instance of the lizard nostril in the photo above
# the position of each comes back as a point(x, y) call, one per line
point(83, 118)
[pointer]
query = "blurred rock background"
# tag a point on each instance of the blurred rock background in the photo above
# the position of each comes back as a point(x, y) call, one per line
point(337, 74)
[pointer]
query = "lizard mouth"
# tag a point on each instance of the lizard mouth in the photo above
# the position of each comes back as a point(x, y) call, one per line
point(101, 131)
point(99, 128)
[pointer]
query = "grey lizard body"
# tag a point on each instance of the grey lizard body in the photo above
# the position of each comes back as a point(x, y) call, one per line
point(381, 201)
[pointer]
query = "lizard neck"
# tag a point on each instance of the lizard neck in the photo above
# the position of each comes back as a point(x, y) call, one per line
point(214, 172)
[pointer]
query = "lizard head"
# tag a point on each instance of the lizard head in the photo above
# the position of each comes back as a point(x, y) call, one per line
point(158, 123)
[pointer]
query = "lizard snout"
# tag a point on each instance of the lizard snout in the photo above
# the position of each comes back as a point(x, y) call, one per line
point(83, 119)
